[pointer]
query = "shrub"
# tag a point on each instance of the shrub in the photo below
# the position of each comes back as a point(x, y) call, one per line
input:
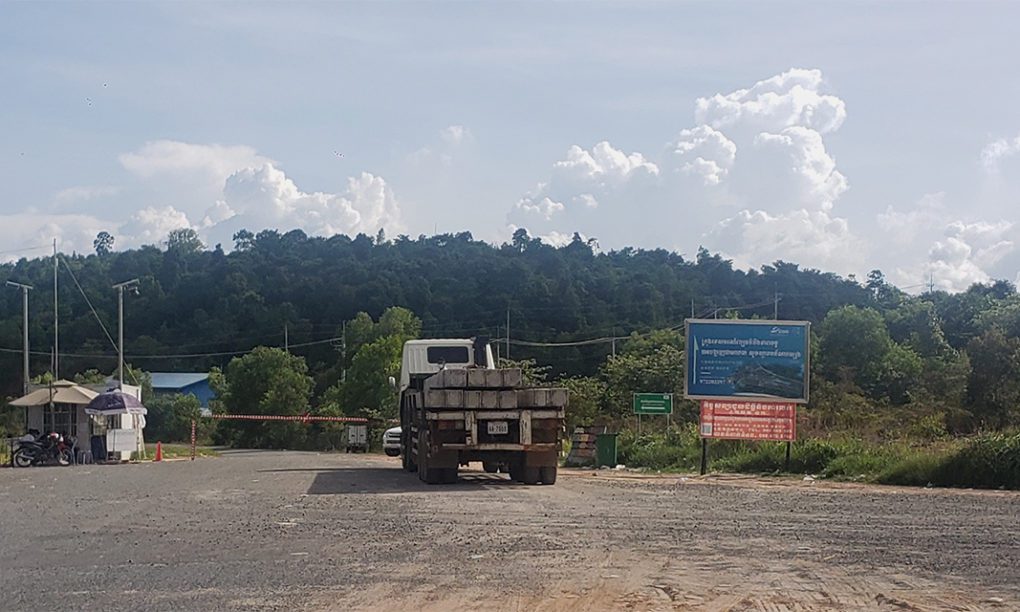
point(759, 458)
point(856, 465)
point(987, 461)
point(674, 449)
point(916, 471)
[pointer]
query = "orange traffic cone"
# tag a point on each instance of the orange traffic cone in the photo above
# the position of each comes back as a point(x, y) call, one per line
point(159, 451)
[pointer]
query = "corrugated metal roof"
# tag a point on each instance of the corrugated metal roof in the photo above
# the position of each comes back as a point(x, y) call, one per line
point(176, 380)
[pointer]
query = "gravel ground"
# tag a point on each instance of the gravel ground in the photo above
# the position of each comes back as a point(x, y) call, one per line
point(287, 530)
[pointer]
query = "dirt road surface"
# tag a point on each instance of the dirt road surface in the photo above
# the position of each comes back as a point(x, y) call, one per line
point(306, 531)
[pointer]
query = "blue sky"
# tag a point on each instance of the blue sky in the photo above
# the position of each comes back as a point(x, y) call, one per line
point(842, 136)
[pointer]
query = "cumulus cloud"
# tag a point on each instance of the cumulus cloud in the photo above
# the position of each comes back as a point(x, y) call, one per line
point(998, 150)
point(556, 239)
point(928, 214)
point(171, 158)
point(603, 166)
point(583, 178)
point(792, 98)
point(265, 197)
point(752, 178)
point(545, 207)
point(704, 152)
point(794, 168)
point(83, 193)
point(455, 135)
point(811, 238)
point(217, 189)
point(151, 225)
point(453, 139)
point(931, 244)
point(968, 251)
point(28, 234)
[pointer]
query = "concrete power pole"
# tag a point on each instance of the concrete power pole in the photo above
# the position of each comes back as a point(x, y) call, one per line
point(120, 325)
point(56, 317)
point(24, 309)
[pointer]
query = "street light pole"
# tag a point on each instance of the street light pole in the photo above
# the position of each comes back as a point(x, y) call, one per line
point(24, 326)
point(120, 325)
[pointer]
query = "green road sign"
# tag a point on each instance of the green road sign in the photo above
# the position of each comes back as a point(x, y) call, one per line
point(653, 403)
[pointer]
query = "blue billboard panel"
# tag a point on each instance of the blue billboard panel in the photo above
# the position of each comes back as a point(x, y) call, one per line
point(742, 359)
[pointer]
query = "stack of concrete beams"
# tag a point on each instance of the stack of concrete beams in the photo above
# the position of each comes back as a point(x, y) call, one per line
point(582, 446)
point(499, 389)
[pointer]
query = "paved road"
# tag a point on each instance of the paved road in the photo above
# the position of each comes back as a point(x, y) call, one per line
point(285, 530)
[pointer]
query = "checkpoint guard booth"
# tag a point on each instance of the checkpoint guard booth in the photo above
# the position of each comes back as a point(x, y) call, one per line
point(63, 407)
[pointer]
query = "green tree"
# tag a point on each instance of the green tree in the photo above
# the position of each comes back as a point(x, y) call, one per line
point(367, 391)
point(587, 395)
point(915, 323)
point(266, 381)
point(184, 241)
point(169, 418)
point(243, 240)
point(660, 370)
point(103, 243)
point(400, 322)
point(993, 389)
point(90, 377)
point(854, 346)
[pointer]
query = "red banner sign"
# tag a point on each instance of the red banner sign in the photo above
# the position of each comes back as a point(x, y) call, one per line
point(750, 420)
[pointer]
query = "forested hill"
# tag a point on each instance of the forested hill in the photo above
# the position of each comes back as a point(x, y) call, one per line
point(197, 307)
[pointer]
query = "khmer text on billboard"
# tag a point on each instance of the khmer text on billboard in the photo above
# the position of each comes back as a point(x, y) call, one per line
point(748, 359)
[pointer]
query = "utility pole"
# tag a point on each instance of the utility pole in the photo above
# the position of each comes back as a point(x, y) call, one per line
point(286, 339)
point(692, 308)
point(508, 332)
point(120, 325)
point(24, 308)
point(343, 354)
point(775, 304)
point(56, 318)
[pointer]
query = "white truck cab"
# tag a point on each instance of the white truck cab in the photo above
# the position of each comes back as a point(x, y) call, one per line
point(423, 358)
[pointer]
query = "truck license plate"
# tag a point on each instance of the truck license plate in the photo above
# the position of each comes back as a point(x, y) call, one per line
point(498, 427)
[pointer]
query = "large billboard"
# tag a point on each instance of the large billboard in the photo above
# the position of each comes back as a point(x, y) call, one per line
point(734, 359)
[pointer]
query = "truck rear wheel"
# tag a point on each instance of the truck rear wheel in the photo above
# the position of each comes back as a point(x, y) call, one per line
point(427, 474)
point(406, 463)
point(449, 475)
point(530, 475)
point(548, 474)
point(405, 453)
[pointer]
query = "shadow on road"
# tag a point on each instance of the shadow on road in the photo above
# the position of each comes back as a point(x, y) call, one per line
point(368, 480)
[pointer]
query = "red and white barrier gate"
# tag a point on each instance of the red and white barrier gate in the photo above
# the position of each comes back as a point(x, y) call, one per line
point(303, 418)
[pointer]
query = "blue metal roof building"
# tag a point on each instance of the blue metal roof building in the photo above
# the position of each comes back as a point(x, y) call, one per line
point(185, 383)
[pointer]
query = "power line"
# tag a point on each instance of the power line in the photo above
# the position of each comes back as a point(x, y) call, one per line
point(25, 249)
point(168, 356)
point(89, 302)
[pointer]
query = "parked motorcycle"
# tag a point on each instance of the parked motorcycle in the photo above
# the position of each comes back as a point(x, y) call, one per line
point(40, 451)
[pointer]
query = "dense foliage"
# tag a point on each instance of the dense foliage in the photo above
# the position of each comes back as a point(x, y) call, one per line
point(886, 364)
point(198, 307)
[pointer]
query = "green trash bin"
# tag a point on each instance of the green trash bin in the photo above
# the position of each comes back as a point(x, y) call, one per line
point(605, 449)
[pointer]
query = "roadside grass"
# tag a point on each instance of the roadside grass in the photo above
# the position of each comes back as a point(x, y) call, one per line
point(176, 451)
point(990, 460)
